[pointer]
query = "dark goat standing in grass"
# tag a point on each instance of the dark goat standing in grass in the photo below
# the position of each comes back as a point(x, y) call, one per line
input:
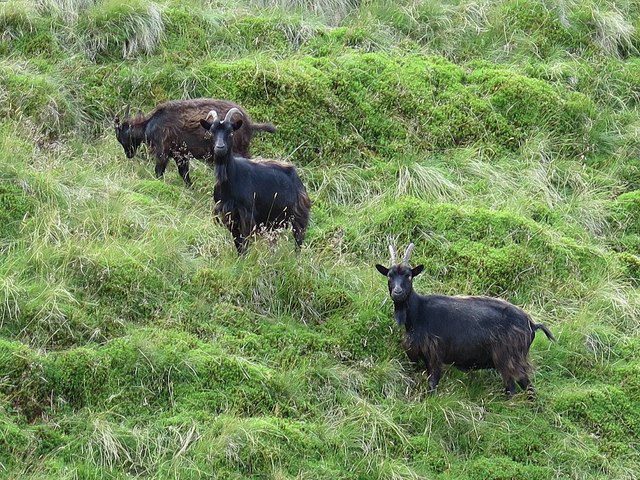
point(250, 195)
point(467, 332)
point(172, 130)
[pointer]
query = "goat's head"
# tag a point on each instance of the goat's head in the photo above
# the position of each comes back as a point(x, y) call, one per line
point(126, 134)
point(222, 130)
point(400, 275)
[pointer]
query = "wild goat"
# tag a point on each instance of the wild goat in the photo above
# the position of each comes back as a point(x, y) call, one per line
point(467, 332)
point(250, 195)
point(172, 130)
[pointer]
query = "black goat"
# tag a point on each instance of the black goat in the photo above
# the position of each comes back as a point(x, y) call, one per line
point(467, 332)
point(172, 130)
point(250, 195)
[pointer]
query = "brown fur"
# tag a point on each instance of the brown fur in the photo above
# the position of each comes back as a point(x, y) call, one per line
point(172, 130)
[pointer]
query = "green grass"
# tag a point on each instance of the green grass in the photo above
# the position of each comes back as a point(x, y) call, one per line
point(502, 137)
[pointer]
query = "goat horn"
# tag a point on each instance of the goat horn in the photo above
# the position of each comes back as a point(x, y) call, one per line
point(127, 111)
point(407, 254)
point(392, 251)
point(213, 114)
point(231, 113)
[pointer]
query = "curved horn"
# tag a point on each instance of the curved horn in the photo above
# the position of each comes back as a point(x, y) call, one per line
point(392, 251)
point(407, 254)
point(231, 113)
point(213, 114)
point(127, 111)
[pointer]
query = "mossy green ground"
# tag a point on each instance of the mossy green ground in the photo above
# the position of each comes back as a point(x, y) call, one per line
point(502, 137)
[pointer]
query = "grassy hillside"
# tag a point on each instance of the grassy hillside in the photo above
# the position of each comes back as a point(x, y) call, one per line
point(502, 137)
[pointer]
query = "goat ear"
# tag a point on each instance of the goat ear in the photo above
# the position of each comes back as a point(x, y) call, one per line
point(415, 271)
point(206, 125)
point(237, 124)
point(382, 269)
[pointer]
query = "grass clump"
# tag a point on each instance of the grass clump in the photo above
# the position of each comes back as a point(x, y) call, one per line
point(528, 104)
point(37, 99)
point(15, 206)
point(331, 10)
point(607, 412)
point(478, 250)
point(114, 28)
point(16, 19)
point(625, 212)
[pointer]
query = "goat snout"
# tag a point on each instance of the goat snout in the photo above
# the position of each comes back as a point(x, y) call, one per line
point(220, 149)
point(397, 293)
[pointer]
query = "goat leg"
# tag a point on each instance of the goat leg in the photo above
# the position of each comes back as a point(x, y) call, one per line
point(183, 168)
point(434, 369)
point(161, 165)
point(527, 386)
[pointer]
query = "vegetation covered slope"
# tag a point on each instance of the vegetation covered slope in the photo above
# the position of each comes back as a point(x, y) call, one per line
point(502, 137)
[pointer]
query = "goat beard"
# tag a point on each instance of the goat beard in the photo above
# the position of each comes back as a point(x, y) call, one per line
point(400, 314)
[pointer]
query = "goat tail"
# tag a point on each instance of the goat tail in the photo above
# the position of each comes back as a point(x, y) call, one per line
point(263, 127)
point(541, 326)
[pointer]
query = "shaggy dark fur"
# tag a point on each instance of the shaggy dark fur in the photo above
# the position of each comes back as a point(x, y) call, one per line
point(254, 195)
point(173, 130)
point(467, 332)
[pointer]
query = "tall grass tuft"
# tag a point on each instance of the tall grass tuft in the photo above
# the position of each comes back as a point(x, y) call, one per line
point(332, 10)
point(65, 10)
point(16, 19)
point(614, 33)
point(121, 28)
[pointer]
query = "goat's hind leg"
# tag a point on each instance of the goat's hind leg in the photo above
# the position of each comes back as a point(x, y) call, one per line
point(525, 384)
point(509, 386)
point(508, 380)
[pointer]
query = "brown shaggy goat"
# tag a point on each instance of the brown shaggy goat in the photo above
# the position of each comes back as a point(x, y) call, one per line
point(172, 130)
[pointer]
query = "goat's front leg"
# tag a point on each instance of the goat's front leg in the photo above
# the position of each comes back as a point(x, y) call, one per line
point(241, 228)
point(239, 240)
point(183, 168)
point(413, 354)
point(161, 165)
point(434, 369)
